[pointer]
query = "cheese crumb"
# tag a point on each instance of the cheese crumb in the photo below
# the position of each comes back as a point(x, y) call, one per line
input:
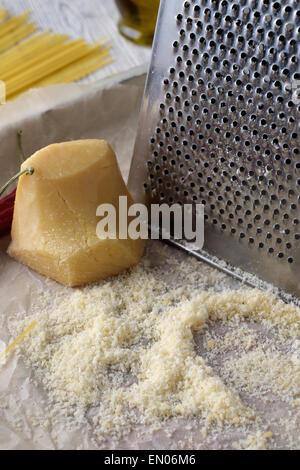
point(258, 441)
point(126, 349)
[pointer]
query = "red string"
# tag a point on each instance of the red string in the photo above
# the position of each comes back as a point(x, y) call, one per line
point(6, 212)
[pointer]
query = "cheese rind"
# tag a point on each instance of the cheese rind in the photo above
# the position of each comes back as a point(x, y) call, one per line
point(54, 223)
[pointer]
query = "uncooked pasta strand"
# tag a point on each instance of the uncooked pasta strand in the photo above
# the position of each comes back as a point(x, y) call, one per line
point(28, 60)
point(3, 14)
point(48, 67)
point(12, 23)
point(79, 69)
point(17, 35)
point(49, 47)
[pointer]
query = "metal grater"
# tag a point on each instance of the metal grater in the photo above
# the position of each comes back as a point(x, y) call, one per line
point(219, 126)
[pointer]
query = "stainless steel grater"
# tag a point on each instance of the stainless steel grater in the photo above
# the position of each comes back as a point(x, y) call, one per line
point(219, 126)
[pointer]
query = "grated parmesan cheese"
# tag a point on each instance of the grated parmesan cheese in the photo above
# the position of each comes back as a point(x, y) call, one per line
point(124, 351)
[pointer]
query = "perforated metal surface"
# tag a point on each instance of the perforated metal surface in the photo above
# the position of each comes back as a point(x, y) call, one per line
point(219, 126)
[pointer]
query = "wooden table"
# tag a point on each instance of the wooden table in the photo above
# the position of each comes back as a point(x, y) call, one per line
point(89, 19)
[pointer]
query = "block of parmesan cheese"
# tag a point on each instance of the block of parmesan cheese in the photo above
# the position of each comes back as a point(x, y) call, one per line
point(54, 222)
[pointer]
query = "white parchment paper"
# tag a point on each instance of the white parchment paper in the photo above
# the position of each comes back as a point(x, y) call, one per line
point(109, 110)
point(59, 113)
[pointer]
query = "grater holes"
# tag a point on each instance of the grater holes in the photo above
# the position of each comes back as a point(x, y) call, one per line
point(268, 130)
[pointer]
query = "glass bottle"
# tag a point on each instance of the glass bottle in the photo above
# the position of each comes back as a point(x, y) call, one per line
point(138, 20)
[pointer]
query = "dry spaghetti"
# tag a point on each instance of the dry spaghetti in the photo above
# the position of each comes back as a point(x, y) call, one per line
point(34, 60)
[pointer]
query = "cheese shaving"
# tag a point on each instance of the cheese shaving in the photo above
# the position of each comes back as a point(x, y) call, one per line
point(124, 353)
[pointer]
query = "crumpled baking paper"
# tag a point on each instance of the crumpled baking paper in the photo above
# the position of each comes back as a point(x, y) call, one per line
point(106, 110)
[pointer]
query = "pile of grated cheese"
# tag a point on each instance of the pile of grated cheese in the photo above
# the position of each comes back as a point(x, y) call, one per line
point(169, 341)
